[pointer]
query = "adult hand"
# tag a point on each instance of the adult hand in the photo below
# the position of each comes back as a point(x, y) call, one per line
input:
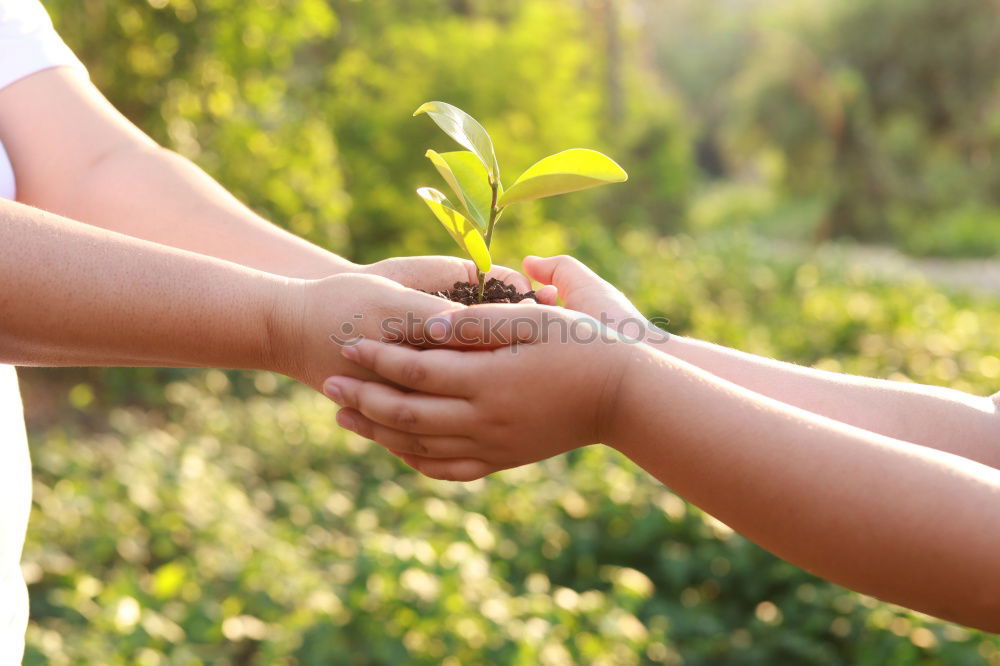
point(476, 412)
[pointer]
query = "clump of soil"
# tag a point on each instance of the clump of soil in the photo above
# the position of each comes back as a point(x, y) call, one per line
point(467, 293)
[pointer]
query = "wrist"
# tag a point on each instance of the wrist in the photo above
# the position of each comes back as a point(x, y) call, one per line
point(323, 265)
point(284, 317)
point(337, 265)
point(626, 364)
point(673, 345)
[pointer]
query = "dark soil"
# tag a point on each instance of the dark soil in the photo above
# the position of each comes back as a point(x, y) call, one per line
point(467, 293)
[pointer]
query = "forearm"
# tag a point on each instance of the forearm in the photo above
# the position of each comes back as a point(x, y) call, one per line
point(75, 155)
point(940, 418)
point(77, 295)
point(902, 522)
point(152, 193)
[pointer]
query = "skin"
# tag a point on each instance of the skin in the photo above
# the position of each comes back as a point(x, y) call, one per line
point(932, 416)
point(143, 259)
point(814, 490)
point(75, 155)
point(79, 295)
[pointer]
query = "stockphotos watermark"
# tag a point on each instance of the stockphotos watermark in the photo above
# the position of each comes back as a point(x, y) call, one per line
point(498, 331)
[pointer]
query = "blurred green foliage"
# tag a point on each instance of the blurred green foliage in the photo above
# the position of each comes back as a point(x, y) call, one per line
point(207, 517)
point(885, 114)
point(869, 118)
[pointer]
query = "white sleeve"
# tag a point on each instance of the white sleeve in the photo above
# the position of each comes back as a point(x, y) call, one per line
point(28, 42)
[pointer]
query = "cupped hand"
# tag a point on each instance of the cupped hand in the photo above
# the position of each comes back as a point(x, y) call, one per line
point(470, 413)
point(320, 317)
point(431, 273)
point(584, 291)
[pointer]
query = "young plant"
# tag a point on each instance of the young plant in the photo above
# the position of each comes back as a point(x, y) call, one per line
point(474, 177)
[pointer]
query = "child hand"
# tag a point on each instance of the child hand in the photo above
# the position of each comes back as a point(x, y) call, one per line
point(584, 291)
point(476, 412)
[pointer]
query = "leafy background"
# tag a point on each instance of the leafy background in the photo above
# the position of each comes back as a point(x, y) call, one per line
point(202, 517)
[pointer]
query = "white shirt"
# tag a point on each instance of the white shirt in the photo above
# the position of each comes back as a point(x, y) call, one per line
point(28, 43)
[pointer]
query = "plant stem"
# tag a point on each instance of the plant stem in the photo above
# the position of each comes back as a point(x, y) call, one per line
point(494, 211)
point(489, 236)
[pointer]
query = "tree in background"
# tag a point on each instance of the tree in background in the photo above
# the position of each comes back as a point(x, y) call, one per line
point(885, 113)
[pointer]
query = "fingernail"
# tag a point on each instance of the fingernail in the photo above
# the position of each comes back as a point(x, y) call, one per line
point(345, 420)
point(332, 390)
point(437, 329)
point(350, 352)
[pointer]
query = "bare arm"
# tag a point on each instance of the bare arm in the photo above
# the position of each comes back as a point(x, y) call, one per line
point(77, 295)
point(935, 417)
point(901, 522)
point(932, 416)
point(75, 155)
point(74, 294)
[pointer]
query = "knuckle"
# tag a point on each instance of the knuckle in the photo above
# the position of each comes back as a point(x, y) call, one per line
point(494, 420)
point(403, 417)
point(413, 372)
point(353, 396)
point(365, 397)
point(418, 446)
point(363, 428)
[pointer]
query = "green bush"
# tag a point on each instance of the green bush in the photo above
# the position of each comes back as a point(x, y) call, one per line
point(968, 230)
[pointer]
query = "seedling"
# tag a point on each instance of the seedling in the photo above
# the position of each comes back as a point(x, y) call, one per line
point(474, 177)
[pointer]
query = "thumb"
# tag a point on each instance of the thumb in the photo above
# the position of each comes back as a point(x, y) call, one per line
point(493, 326)
point(566, 273)
point(406, 314)
point(488, 326)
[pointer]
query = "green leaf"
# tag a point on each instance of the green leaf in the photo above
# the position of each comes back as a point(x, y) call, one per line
point(568, 171)
point(466, 130)
point(461, 229)
point(468, 178)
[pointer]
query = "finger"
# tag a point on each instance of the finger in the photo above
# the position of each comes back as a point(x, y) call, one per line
point(564, 272)
point(547, 295)
point(407, 443)
point(493, 326)
point(425, 273)
point(416, 413)
point(400, 314)
point(456, 469)
point(507, 276)
point(438, 371)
